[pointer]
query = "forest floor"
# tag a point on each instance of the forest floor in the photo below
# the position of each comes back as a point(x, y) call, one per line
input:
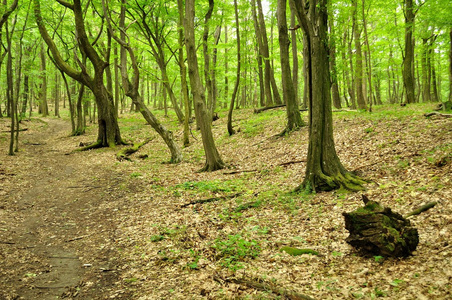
point(82, 225)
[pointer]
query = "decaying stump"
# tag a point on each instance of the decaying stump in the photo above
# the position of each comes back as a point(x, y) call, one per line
point(380, 231)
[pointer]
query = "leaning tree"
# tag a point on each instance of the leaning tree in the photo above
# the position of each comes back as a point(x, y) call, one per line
point(324, 170)
point(108, 131)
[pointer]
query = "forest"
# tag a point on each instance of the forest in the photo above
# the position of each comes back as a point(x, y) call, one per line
point(225, 149)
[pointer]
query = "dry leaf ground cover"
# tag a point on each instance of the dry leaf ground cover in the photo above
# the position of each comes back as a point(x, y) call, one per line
point(144, 236)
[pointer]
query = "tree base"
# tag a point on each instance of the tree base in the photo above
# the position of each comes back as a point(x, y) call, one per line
point(325, 183)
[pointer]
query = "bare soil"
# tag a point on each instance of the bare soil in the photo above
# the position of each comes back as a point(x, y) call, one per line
point(85, 226)
point(55, 230)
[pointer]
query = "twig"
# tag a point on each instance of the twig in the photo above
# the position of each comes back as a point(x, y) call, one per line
point(202, 201)
point(445, 248)
point(8, 243)
point(76, 238)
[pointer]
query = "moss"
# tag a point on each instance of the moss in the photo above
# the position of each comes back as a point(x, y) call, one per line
point(295, 251)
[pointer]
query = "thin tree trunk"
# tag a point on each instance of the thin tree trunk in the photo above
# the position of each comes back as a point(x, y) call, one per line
point(369, 60)
point(213, 159)
point(294, 120)
point(359, 60)
point(44, 109)
point(450, 65)
point(408, 59)
point(231, 131)
point(183, 74)
point(333, 70)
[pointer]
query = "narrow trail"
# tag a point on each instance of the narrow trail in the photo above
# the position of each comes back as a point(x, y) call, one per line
point(58, 221)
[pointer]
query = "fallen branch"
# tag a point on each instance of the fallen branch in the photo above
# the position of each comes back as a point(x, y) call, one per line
point(238, 171)
point(125, 153)
point(421, 209)
point(259, 110)
point(7, 243)
point(15, 130)
point(76, 238)
point(265, 287)
point(438, 114)
point(292, 162)
point(202, 201)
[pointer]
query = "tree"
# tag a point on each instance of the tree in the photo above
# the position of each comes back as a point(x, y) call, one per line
point(108, 128)
point(213, 159)
point(294, 120)
point(131, 88)
point(324, 170)
point(231, 131)
point(408, 58)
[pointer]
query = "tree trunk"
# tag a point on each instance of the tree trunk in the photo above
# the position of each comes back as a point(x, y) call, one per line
point(408, 59)
point(351, 87)
point(294, 120)
point(44, 109)
point(333, 68)
point(131, 88)
point(294, 57)
point(324, 170)
point(183, 73)
point(231, 131)
point(450, 65)
point(108, 128)
point(206, 55)
point(368, 57)
point(213, 159)
point(359, 60)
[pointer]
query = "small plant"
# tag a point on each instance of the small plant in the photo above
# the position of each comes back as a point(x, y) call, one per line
point(135, 175)
point(236, 249)
point(379, 259)
point(157, 238)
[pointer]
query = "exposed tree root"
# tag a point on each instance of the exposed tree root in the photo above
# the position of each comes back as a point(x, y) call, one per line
point(325, 183)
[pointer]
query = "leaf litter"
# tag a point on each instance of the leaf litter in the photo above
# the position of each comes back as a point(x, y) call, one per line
point(135, 221)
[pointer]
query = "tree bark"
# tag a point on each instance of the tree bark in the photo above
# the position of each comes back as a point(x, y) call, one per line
point(44, 108)
point(408, 59)
point(450, 65)
point(213, 159)
point(183, 73)
point(131, 88)
point(324, 170)
point(333, 70)
point(108, 129)
point(294, 120)
point(359, 60)
point(231, 131)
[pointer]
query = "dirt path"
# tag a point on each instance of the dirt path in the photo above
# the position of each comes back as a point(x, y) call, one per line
point(57, 219)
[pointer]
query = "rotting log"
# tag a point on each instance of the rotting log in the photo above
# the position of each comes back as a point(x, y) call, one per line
point(380, 231)
point(126, 152)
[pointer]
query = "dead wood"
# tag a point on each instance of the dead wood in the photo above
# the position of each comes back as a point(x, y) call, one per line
point(421, 209)
point(208, 200)
point(239, 171)
point(380, 231)
point(22, 129)
point(292, 162)
point(125, 153)
point(261, 285)
point(262, 109)
point(438, 114)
